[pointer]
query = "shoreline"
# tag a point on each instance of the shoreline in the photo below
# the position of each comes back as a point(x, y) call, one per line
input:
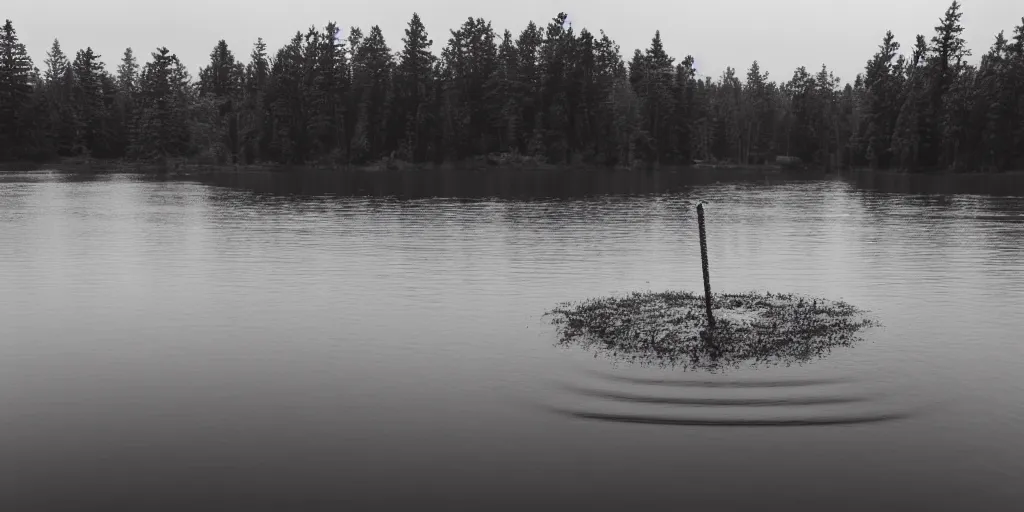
point(118, 166)
point(77, 165)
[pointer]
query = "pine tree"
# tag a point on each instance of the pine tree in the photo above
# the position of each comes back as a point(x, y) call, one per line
point(757, 117)
point(555, 103)
point(653, 74)
point(56, 64)
point(128, 73)
point(413, 87)
point(702, 127)
point(528, 46)
point(948, 47)
point(948, 51)
point(995, 106)
point(91, 110)
point(222, 82)
point(1014, 54)
point(161, 122)
point(883, 85)
point(825, 123)
point(16, 105)
point(727, 107)
point(253, 128)
point(584, 97)
point(327, 93)
point(314, 104)
point(684, 99)
point(371, 91)
point(626, 121)
point(61, 117)
point(123, 110)
point(286, 115)
point(504, 97)
point(610, 74)
point(470, 59)
point(803, 142)
point(912, 136)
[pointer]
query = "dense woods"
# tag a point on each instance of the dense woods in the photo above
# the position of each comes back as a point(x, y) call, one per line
point(548, 94)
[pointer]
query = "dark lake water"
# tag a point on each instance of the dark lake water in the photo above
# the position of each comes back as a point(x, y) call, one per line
point(326, 342)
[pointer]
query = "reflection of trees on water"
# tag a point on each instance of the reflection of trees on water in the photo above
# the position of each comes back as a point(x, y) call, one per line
point(571, 201)
point(493, 183)
point(942, 214)
point(1006, 184)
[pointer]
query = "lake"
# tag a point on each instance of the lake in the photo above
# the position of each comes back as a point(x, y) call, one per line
point(316, 341)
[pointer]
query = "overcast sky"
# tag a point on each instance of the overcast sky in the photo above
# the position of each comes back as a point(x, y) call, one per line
point(780, 34)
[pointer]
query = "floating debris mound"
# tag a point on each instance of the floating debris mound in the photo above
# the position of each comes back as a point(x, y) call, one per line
point(669, 329)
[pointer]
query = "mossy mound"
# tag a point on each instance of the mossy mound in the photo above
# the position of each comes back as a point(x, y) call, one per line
point(669, 329)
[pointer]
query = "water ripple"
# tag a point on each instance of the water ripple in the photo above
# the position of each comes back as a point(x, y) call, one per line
point(714, 402)
point(705, 422)
point(765, 383)
point(777, 402)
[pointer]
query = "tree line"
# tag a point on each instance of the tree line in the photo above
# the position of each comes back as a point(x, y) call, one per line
point(549, 94)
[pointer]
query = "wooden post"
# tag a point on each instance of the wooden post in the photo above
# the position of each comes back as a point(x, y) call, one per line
point(704, 263)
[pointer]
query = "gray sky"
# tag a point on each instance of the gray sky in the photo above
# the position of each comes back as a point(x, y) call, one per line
point(780, 34)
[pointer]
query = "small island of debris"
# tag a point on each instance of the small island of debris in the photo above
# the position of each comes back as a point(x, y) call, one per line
point(670, 329)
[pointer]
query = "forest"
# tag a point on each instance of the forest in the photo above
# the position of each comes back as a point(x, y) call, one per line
point(549, 95)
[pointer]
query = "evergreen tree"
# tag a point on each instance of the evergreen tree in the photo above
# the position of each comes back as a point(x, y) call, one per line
point(92, 116)
point(253, 128)
point(161, 121)
point(469, 61)
point(16, 105)
point(371, 97)
point(653, 75)
point(948, 51)
point(284, 100)
point(413, 87)
point(504, 96)
point(883, 83)
point(126, 85)
point(912, 136)
point(555, 102)
point(222, 82)
point(529, 90)
point(757, 117)
point(220, 78)
point(327, 94)
point(1013, 102)
point(61, 120)
point(727, 108)
point(56, 64)
point(584, 97)
point(610, 75)
point(128, 73)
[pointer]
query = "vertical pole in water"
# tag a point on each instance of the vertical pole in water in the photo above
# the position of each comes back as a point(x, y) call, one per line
point(704, 263)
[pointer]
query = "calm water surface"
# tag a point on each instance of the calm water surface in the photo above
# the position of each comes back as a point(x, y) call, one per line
point(275, 342)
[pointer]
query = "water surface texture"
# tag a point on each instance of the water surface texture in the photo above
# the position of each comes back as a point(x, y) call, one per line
point(286, 342)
